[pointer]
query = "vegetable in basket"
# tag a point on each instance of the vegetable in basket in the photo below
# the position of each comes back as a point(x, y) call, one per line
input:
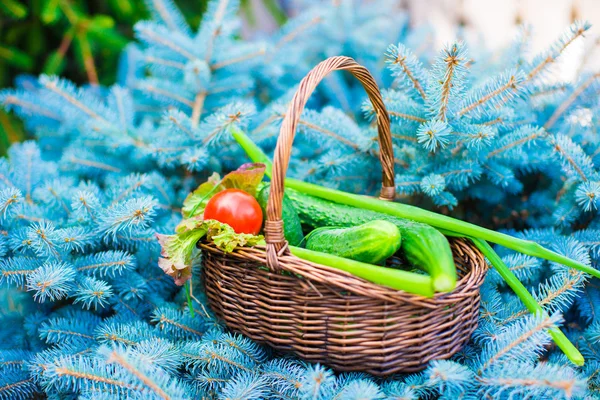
point(411, 212)
point(292, 228)
point(178, 249)
point(206, 213)
point(449, 226)
point(236, 208)
point(372, 242)
point(394, 278)
point(423, 246)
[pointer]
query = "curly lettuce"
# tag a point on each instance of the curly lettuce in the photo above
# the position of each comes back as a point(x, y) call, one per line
point(246, 178)
point(177, 250)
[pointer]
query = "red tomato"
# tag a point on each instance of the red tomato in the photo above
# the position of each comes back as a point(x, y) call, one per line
point(236, 208)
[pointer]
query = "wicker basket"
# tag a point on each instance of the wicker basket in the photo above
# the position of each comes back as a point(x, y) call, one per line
point(330, 316)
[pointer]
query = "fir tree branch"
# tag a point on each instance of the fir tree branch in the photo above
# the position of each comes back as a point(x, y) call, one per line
point(59, 200)
point(20, 272)
point(570, 160)
point(119, 263)
point(217, 21)
point(129, 308)
point(29, 218)
point(508, 85)
point(569, 100)
point(550, 58)
point(535, 135)
point(547, 91)
point(163, 319)
point(565, 386)
point(329, 133)
point(12, 100)
point(14, 385)
point(215, 356)
point(156, 38)
point(121, 109)
point(149, 59)
point(545, 324)
point(267, 122)
point(96, 378)
point(115, 357)
point(401, 61)
point(69, 333)
point(153, 89)
point(404, 137)
point(27, 167)
point(406, 116)
point(126, 192)
point(494, 121)
point(233, 86)
point(94, 164)
point(7, 182)
point(295, 33)
point(568, 284)
point(232, 61)
point(452, 61)
point(165, 16)
point(197, 107)
point(52, 86)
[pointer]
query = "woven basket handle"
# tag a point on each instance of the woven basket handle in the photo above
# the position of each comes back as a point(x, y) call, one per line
point(274, 224)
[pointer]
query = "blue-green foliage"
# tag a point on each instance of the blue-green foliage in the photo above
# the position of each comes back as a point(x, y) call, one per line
point(85, 310)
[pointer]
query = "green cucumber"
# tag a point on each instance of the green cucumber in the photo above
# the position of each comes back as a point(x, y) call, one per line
point(422, 245)
point(292, 229)
point(372, 242)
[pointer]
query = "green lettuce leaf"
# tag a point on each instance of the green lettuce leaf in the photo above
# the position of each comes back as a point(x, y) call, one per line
point(246, 178)
point(227, 239)
point(177, 250)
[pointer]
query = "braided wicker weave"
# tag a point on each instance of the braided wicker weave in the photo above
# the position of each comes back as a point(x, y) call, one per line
point(330, 316)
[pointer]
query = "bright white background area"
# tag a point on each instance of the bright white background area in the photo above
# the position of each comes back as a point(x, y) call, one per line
point(496, 21)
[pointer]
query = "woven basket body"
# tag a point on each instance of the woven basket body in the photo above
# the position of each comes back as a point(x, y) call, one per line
point(325, 315)
point(381, 333)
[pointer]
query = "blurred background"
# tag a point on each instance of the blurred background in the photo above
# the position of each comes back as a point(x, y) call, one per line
point(82, 39)
point(491, 22)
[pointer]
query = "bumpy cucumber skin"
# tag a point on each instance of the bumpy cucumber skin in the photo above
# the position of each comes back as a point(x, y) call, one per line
point(422, 245)
point(292, 228)
point(372, 242)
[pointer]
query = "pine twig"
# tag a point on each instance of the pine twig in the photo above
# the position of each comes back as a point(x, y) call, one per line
point(565, 104)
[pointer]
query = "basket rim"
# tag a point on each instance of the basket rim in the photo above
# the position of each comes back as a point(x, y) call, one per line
point(464, 253)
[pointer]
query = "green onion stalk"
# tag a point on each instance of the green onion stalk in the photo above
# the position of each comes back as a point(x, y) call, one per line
point(526, 298)
point(411, 212)
point(448, 226)
point(396, 279)
point(513, 282)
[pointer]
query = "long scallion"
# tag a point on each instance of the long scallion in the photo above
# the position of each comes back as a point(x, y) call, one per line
point(448, 226)
point(513, 282)
point(413, 213)
point(438, 221)
point(393, 278)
